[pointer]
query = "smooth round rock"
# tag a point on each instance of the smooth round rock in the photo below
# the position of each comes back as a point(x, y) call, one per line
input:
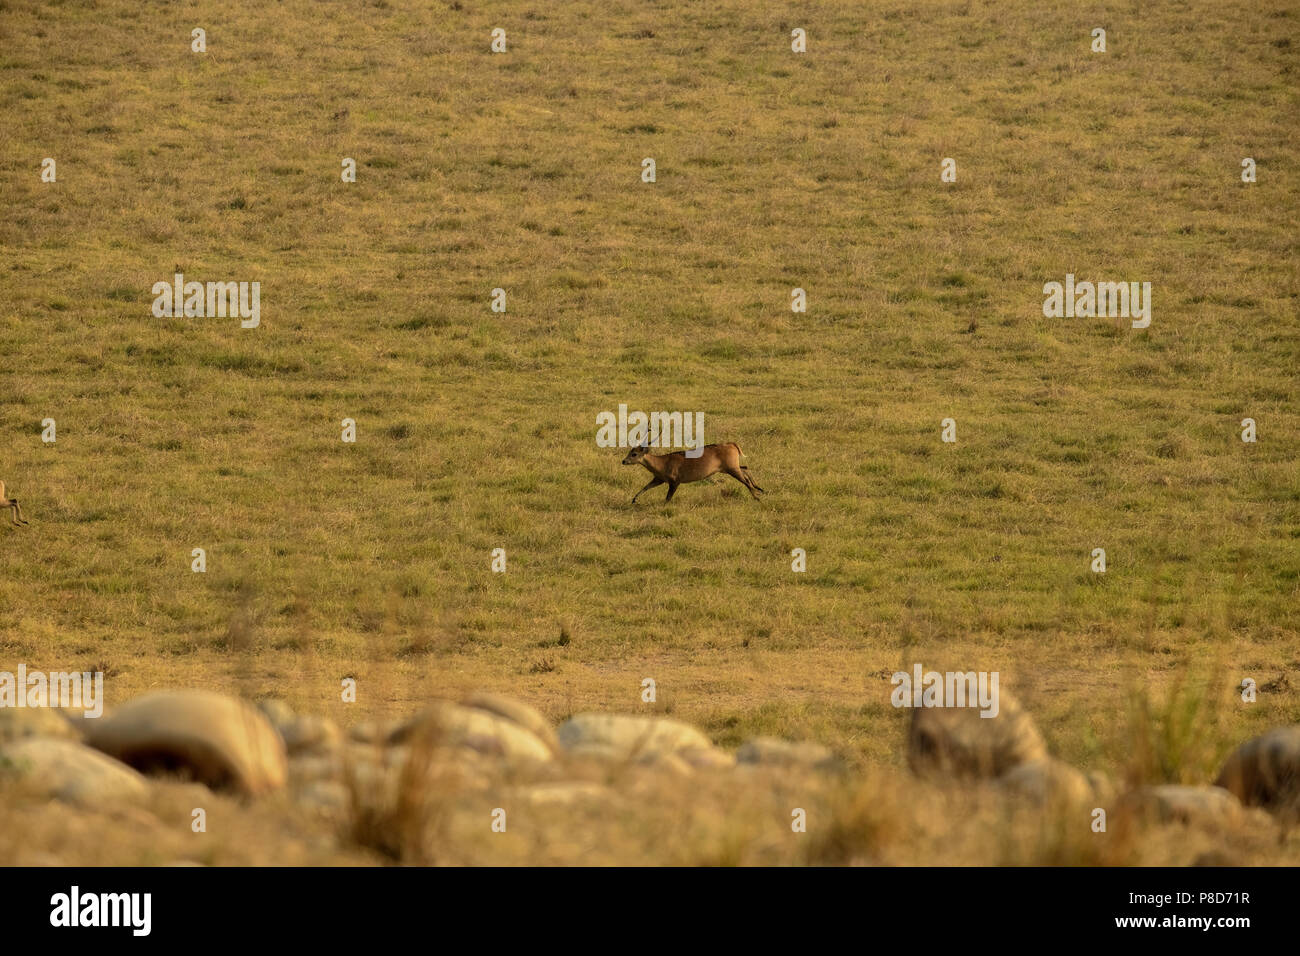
point(326, 797)
point(708, 758)
point(669, 763)
point(522, 714)
point(1265, 771)
point(68, 771)
point(277, 711)
point(628, 735)
point(309, 768)
point(450, 725)
point(369, 732)
point(309, 733)
point(957, 742)
point(1048, 781)
point(217, 740)
point(597, 753)
point(18, 723)
point(1176, 803)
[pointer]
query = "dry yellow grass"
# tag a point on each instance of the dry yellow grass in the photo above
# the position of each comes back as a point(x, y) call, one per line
point(476, 429)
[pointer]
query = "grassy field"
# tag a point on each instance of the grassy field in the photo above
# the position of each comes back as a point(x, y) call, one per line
point(476, 430)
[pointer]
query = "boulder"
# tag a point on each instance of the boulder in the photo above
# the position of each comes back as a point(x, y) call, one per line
point(957, 742)
point(450, 725)
point(597, 753)
point(707, 758)
point(380, 781)
point(447, 769)
point(1049, 781)
point(1177, 803)
point(1265, 771)
point(311, 734)
point(326, 797)
point(81, 721)
point(18, 723)
point(309, 768)
point(369, 732)
point(277, 711)
point(522, 714)
point(665, 763)
point(217, 740)
point(68, 771)
point(627, 736)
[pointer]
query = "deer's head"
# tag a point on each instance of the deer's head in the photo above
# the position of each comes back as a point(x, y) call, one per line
point(634, 455)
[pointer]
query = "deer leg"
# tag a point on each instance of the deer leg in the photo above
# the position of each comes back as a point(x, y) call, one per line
point(743, 478)
point(749, 479)
point(653, 482)
point(672, 490)
point(18, 512)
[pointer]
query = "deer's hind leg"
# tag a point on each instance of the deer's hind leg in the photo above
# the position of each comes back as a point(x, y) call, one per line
point(744, 479)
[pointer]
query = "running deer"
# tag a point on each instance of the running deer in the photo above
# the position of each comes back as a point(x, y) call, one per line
point(676, 468)
point(12, 504)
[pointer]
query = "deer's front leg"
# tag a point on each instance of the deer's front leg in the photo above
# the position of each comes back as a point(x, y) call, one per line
point(653, 482)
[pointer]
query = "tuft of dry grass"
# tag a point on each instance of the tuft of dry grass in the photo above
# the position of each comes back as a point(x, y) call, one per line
point(1179, 737)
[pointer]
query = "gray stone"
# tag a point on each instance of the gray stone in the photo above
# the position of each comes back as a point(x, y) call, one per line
point(1048, 781)
point(1265, 771)
point(309, 733)
point(629, 736)
point(522, 714)
point(277, 711)
point(17, 723)
point(446, 724)
point(948, 742)
point(71, 772)
point(1176, 803)
point(327, 797)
